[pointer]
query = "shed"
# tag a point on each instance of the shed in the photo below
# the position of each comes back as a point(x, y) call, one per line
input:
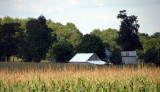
point(108, 53)
point(129, 57)
point(87, 58)
point(53, 60)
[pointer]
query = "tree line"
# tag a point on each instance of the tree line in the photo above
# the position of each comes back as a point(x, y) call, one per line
point(36, 39)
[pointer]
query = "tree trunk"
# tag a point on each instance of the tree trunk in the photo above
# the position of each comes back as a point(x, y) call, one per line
point(13, 58)
point(7, 59)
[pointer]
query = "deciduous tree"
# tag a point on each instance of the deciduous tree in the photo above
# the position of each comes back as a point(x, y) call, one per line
point(9, 39)
point(38, 40)
point(91, 44)
point(63, 51)
point(128, 38)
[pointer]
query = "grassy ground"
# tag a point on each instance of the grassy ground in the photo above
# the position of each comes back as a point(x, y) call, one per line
point(37, 77)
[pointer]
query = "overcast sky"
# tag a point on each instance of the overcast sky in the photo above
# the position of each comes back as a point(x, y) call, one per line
point(87, 15)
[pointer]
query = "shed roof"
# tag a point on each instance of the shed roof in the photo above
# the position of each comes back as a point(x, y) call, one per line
point(128, 53)
point(81, 57)
point(85, 57)
point(107, 52)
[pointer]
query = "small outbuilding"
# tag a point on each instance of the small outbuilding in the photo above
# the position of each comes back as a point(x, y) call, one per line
point(108, 53)
point(87, 58)
point(129, 57)
point(53, 60)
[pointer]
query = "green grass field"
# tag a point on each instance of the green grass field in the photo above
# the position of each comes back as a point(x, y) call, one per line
point(55, 77)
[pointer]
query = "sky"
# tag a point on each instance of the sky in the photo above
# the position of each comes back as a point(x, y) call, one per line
point(87, 15)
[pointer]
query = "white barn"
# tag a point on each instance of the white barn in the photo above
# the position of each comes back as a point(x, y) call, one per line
point(129, 57)
point(87, 58)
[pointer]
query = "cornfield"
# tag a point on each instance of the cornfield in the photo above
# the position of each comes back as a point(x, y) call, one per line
point(55, 77)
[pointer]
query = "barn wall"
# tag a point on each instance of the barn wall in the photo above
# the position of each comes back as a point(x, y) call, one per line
point(129, 60)
point(94, 57)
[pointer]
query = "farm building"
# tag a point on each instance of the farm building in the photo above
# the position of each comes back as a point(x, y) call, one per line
point(87, 58)
point(108, 53)
point(53, 60)
point(129, 57)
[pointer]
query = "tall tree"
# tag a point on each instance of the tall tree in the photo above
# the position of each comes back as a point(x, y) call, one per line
point(63, 51)
point(96, 32)
point(128, 38)
point(109, 38)
point(7, 19)
point(9, 38)
point(0, 21)
point(68, 32)
point(91, 44)
point(150, 47)
point(38, 40)
point(156, 35)
point(151, 50)
point(1, 44)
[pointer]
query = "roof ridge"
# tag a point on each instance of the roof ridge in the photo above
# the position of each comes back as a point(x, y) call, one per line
point(85, 53)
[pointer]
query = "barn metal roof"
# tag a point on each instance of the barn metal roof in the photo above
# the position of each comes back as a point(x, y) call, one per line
point(84, 57)
point(97, 62)
point(81, 57)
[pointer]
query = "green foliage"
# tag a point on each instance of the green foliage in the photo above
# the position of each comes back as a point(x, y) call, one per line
point(69, 32)
point(109, 38)
point(156, 35)
point(91, 44)
point(63, 51)
point(9, 40)
point(7, 20)
point(150, 50)
point(37, 40)
point(138, 84)
point(28, 44)
point(96, 32)
point(128, 38)
point(150, 47)
point(116, 56)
